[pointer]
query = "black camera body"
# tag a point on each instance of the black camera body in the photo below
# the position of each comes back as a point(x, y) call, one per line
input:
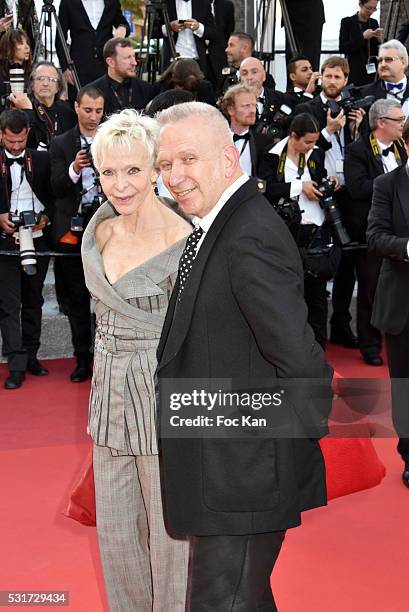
point(289, 210)
point(350, 100)
point(332, 212)
point(274, 123)
point(27, 218)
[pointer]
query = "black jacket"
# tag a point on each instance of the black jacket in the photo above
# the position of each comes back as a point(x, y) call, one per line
point(47, 122)
point(357, 50)
point(231, 309)
point(140, 94)
point(387, 235)
point(202, 12)
point(361, 167)
point(216, 55)
point(86, 43)
point(63, 150)
point(39, 180)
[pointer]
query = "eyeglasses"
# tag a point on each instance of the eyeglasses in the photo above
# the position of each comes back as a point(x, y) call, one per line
point(46, 78)
point(387, 60)
point(398, 119)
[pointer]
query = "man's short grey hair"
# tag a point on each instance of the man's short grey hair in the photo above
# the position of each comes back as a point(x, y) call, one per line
point(122, 130)
point(381, 108)
point(189, 110)
point(398, 47)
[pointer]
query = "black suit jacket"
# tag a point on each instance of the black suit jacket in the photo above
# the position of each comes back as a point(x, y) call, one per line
point(388, 235)
point(61, 118)
point(361, 167)
point(232, 322)
point(141, 93)
point(216, 55)
point(378, 90)
point(63, 150)
point(86, 43)
point(202, 12)
point(357, 49)
point(39, 181)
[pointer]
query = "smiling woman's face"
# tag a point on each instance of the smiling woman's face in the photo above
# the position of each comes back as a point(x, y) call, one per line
point(126, 177)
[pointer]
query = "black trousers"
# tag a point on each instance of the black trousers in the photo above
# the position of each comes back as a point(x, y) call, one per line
point(77, 303)
point(342, 291)
point(397, 348)
point(21, 302)
point(232, 573)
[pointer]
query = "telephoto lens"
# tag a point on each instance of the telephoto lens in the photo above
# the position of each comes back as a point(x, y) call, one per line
point(16, 78)
point(27, 253)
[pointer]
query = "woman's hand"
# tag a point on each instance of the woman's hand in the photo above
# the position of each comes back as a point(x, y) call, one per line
point(309, 188)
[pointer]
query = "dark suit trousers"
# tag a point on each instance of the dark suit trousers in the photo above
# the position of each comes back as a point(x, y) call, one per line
point(21, 301)
point(232, 573)
point(77, 302)
point(367, 266)
point(342, 291)
point(397, 348)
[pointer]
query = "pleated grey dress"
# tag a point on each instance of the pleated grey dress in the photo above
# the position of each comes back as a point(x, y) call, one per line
point(129, 319)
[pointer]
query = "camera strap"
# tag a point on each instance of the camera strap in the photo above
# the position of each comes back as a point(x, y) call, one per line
point(378, 153)
point(118, 97)
point(50, 125)
point(27, 168)
point(281, 165)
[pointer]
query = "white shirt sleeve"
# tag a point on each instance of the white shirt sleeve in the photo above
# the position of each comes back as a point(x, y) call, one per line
point(200, 31)
point(73, 175)
point(296, 188)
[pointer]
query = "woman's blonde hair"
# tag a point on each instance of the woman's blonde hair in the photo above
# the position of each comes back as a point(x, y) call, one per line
point(122, 130)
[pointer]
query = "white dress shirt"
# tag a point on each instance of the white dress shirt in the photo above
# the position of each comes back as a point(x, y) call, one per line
point(389, 161)
point(186, 44)
point(22, 196)
point(313, 212)
point(88, 176)
point(334, 157)
point(243, 147)
point(94, 10)
point(206, 221)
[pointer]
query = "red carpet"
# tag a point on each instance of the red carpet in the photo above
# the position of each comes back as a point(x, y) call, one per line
point(351, 555)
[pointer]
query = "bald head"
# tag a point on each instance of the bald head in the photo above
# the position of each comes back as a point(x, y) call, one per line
point(252, 73)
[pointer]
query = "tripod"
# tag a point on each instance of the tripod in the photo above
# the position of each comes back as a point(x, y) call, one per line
point(263, 11)
point(48, 13)
point(392, 18)
point(149, 62)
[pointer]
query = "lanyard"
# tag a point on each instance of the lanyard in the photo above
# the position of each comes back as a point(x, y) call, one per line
point(119, 100)
point(377, 151)
point(281, 165)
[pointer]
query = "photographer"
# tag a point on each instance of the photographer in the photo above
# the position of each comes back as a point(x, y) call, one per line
point(25, 180)
point(293, 170)
point(269, 101)
point(380, 152)
point(338, 129)
point(15, 53)
point(302, 80)
point(48, 114)
point(73, 183)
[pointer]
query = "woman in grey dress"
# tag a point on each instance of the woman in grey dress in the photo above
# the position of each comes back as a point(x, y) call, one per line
point(131, 249)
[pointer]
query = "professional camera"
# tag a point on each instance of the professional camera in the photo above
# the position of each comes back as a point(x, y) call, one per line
point(289, 210)
point(87, 209)
point(230, 76)
point(350, 100)
point(332, 212)
point(24, 223)
point(274, 123)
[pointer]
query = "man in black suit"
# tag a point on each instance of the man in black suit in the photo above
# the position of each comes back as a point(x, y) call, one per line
point(240, 46)
point(48, 115)
point(392, 82)
point(90, 25)
point(192, 23)
point(120, 87)
point(269, 101)
point(307, 18)
point(388, 237)
point(382, 151)
point(302, 81)
point(239, 105)
point(223, 12)
point(73, 184)
point(25, 179)
point(336, 134)
point(237, 310)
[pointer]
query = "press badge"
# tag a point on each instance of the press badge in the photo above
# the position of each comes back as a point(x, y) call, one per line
point(339, 166)
point(370, 68)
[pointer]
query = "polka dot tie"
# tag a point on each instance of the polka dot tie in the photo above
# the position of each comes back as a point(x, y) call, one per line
point(187, 259)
